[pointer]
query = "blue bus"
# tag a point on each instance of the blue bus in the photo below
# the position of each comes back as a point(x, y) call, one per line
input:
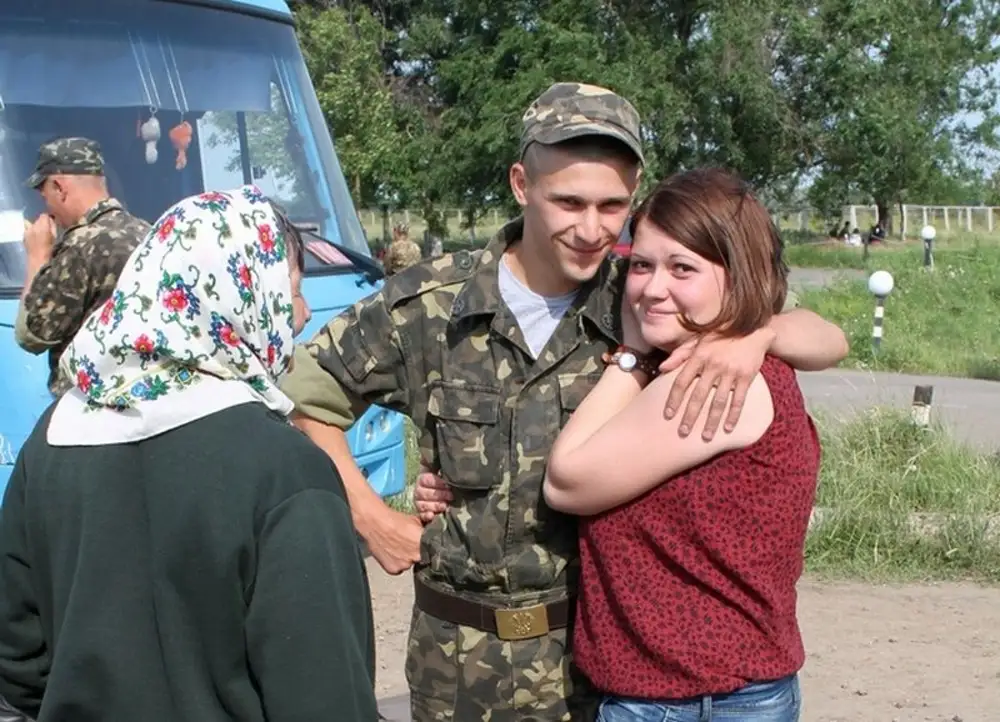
point(136, 75)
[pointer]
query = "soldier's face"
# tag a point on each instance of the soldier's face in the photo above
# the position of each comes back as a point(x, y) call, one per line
point(574, 210)
point(53, 191)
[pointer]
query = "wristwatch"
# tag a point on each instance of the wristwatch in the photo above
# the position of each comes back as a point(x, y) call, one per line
point(628, 359)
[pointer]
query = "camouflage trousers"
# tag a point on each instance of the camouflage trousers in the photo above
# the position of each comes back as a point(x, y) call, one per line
point(462, 674)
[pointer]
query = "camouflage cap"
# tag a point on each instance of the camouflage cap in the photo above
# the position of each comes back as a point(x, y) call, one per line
point(67, 156)
point(572, 110)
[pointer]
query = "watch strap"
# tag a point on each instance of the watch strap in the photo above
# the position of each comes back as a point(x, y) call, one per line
point(649, 364)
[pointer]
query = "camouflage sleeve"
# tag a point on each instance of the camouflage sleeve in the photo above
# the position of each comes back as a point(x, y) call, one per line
point(58, 301)
point(25, 339)
point(352, 362)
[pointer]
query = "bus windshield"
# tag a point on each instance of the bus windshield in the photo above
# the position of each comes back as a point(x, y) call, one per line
point(182, 98)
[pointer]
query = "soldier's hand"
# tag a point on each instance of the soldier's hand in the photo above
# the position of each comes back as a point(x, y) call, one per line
point(39, 238)
point(395, 541)
point(431, 495)
point(728, 365)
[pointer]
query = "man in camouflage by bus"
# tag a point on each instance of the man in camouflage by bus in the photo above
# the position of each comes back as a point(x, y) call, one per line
point(489, 353)
point(403, 252)
point(66, 280)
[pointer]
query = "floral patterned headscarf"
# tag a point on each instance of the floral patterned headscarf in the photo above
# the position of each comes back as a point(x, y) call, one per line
point(200, 320)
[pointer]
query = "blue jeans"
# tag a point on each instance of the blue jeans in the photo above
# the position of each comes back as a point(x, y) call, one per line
point(777, 701)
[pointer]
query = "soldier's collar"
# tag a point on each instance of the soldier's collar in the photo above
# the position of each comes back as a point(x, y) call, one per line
point(480, 294)
point(97, 210)
point(602, 296)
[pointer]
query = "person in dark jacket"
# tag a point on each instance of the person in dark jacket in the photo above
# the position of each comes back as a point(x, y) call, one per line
point(171, 548)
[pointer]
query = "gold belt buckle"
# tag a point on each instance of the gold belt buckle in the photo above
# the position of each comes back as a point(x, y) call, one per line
point(523, 623)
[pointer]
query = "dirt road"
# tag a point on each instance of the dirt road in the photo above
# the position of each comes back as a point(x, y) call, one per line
point(909, 653)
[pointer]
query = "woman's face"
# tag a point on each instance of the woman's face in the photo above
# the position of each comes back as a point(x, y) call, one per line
point(300, 307)
point(667, 281)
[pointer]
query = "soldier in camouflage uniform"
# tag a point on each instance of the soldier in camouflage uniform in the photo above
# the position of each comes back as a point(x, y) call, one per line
point(446, 343)
point(402, 252)
point(66, 280)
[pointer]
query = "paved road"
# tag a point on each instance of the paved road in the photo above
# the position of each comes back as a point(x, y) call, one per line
point(812, 278)
point(969, 407)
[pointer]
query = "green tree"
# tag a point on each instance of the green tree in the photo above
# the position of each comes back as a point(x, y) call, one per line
point(855, 100)
point(885, 81)
point(471, 69)
point(992, 195)
point(732, 104)
point(342, 49)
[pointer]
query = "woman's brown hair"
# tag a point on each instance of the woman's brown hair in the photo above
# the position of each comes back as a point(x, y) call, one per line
point(715, 215)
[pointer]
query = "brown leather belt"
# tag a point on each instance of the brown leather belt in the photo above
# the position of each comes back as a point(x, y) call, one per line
point(508, 624)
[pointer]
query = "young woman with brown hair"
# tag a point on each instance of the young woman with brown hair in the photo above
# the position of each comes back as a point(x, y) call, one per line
point(691, 549)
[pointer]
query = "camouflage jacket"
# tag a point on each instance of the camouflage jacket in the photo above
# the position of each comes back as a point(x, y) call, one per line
point(79, 277)
point(438, 344)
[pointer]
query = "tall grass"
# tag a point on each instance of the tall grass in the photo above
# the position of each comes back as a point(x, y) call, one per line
point(945, 321)
point(826, 255)
point(898, 501)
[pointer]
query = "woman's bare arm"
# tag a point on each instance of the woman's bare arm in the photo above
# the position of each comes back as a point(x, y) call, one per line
point(619, 444)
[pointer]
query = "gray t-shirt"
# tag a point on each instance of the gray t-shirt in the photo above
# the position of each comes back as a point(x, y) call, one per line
point(536, 315)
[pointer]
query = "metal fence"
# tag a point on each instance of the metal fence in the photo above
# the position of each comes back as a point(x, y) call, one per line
point(906, 220)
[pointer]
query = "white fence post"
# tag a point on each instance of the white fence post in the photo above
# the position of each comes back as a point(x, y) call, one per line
point(800, 217)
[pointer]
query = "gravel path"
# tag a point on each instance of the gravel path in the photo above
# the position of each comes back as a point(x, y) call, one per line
point(813, 278)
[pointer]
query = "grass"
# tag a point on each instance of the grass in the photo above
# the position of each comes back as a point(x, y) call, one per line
point(936, 322)
point(899, 502)
point(815, 251)
point(823, 255)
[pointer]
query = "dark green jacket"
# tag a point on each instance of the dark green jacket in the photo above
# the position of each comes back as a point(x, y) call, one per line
point(210, 573)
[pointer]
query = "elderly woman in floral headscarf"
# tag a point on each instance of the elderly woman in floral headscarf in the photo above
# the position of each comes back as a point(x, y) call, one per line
point(170, 547)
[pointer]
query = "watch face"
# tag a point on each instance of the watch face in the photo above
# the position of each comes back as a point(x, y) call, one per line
point(627, 361)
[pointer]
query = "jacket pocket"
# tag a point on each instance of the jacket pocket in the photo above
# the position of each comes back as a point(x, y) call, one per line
point(471, 445)
point(573, 389)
